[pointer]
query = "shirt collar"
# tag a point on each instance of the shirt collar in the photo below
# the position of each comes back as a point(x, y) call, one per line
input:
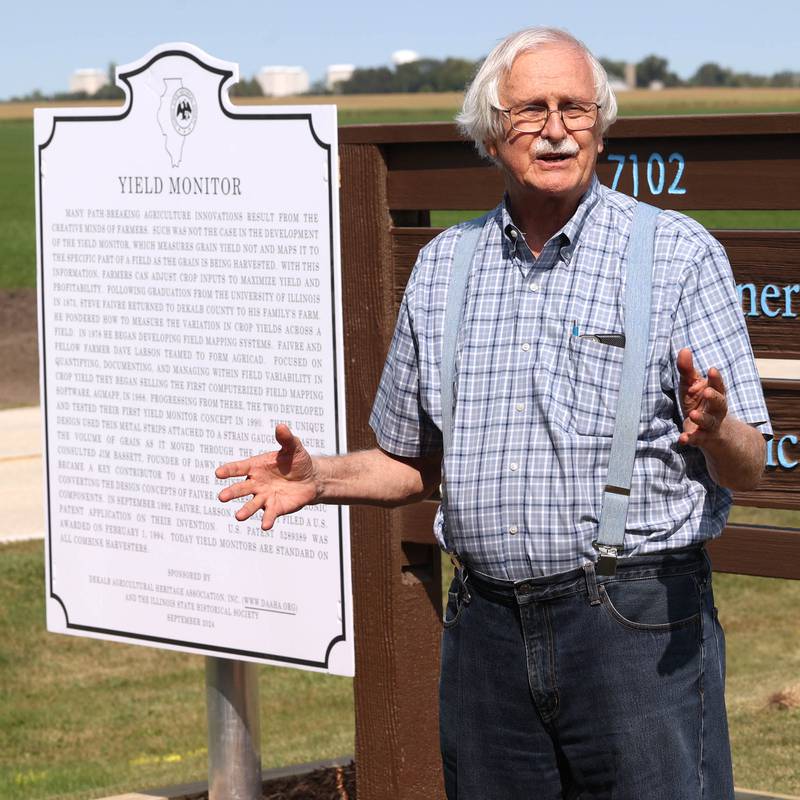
point(569, 234)
point(577, 222)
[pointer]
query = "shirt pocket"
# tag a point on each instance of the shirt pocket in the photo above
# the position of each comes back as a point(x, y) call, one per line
point(593, 374)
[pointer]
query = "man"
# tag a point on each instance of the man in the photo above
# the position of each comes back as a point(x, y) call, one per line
point(557, 682)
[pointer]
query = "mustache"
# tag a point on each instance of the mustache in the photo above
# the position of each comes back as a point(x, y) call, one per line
point(564, 147)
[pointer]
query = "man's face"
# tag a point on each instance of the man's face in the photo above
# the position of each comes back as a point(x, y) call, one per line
point(549, 76)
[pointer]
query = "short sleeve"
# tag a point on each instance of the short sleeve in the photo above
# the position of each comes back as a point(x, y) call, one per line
point(709, 321)
point(401, 425)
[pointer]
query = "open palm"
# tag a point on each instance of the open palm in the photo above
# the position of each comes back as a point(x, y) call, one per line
point(702, 400)
point(280, 482)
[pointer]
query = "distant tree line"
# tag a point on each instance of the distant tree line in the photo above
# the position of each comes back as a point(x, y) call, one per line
point(108, 92)
point(454, 74)
point(424, 75)
point(247, 88)
point(655, 68)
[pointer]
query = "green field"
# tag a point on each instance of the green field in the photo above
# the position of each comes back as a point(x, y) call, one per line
point(17, 227)
point(82, 718)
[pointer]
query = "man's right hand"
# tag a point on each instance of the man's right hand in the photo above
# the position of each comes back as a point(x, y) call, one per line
point(281, 482)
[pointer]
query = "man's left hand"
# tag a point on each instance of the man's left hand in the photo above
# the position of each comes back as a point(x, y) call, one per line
point(702, 400)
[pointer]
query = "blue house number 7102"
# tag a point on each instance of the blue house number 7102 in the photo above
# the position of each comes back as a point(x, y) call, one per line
point(656, 172)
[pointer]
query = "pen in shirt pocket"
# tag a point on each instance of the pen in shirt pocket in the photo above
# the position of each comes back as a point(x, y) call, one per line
point(611, 339)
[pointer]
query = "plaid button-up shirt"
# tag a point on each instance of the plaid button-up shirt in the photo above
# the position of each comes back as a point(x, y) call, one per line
point(536, 403)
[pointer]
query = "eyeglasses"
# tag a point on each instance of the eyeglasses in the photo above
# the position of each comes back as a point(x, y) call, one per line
point(531, 119)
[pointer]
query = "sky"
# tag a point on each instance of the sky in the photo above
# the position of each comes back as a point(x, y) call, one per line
point(42, 43)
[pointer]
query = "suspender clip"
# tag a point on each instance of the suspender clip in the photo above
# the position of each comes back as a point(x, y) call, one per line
point(607, 560)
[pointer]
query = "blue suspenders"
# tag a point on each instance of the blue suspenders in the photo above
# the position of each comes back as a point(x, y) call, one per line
point(453, 311)
point(638, 292)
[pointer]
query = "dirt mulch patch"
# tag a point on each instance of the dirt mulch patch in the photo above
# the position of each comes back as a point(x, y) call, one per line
point(19, 354)
point(329, 783)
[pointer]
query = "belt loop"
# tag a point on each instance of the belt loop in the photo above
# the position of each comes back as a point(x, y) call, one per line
point(707, 572)
point(591, 584)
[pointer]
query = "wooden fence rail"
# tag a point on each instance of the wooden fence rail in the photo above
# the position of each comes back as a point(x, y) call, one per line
point(392, 177)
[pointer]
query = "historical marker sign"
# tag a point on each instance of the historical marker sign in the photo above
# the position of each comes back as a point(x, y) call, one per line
point(190, 299)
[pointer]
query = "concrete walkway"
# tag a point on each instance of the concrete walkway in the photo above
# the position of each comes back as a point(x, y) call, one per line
point(21, 498)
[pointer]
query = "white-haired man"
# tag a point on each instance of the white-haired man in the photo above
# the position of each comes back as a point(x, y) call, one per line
point(558, 682)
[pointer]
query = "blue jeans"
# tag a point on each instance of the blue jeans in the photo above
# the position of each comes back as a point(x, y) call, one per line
point(580, 686)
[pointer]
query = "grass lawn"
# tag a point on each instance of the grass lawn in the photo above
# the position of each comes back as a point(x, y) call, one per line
point(86, 718)
point(761, 617)
point(81, 718)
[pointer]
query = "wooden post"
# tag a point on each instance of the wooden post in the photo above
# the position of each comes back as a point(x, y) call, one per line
point(396, 580)
point(391, 175)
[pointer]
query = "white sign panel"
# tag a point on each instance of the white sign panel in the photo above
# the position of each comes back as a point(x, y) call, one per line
point(189, 300)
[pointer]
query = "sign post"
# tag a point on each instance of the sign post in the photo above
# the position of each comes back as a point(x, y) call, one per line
point(234, 747)
point(189, 300)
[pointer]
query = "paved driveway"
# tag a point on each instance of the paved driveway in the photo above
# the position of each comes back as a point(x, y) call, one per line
point(21, 499)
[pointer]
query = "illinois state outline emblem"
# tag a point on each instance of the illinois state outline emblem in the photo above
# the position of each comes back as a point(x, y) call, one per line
point(177, 117)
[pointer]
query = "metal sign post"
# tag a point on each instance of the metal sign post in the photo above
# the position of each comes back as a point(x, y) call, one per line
point(234, 731)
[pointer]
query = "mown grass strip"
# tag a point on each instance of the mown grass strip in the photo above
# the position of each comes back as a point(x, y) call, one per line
point(86, 718)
